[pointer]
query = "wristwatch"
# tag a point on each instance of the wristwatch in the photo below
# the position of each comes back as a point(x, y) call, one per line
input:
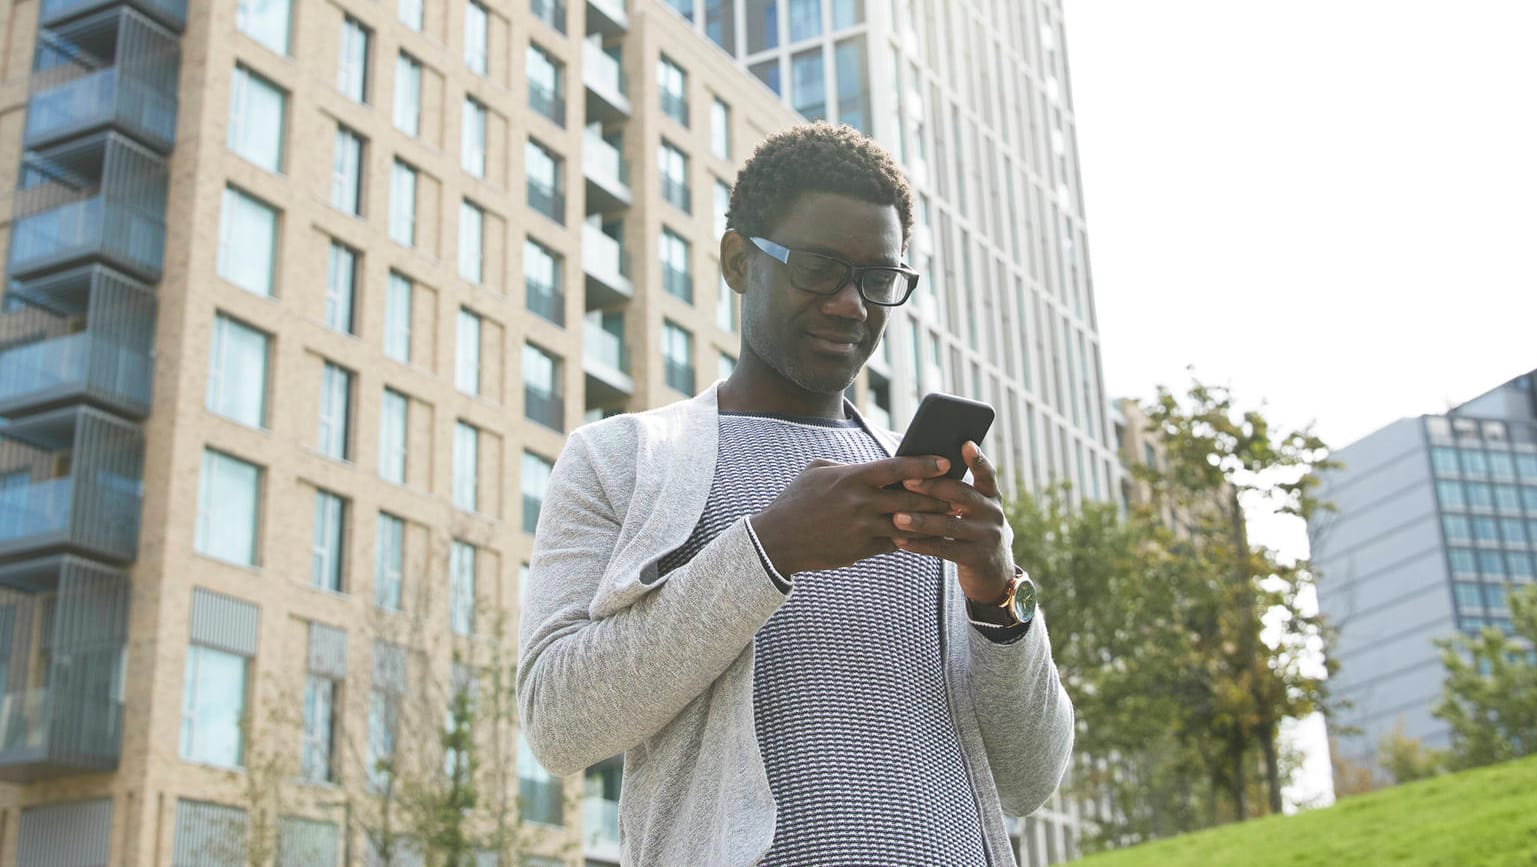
point(1018, 598)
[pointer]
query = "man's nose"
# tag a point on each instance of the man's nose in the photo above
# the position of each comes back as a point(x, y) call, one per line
point(846, 303)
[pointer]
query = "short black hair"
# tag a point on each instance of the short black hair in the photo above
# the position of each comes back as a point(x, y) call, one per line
point(816, 157)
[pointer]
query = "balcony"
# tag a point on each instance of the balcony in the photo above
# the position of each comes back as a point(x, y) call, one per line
point(70, 482)
point(545, 301)
point(607, 17)
point(170, 13)
point(69, 619)
point(547, 201)
point(607, 174)
point(543, 407)
point(608, 91)
point(600, 828)
point(551, 12)
point(547, 101)
point(606, 363)
point(81, 336)
point(115, 69)
point(102, 198)
point(607, 266)
point(679, 377)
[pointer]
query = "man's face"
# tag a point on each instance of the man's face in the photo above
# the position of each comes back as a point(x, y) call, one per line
point(819, 342)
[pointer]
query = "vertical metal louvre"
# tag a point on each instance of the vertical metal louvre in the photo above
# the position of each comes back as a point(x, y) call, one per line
point(208, 835)
point(224, 622)
point(389, 666)
point(328, 651)
point(75, 834)
point(88, 631)
point(307, 843)
point(109, 471)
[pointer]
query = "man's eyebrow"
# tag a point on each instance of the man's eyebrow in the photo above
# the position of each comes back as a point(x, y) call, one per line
point(885, 262)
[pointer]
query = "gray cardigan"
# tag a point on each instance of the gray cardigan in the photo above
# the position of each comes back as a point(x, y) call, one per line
point(616, 659)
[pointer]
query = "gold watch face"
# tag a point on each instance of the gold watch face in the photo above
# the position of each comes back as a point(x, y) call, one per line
point(1024, 600)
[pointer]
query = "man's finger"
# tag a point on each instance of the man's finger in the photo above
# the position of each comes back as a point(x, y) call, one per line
point(962, 495)
point(890, 471)
point(920, 524)
point(983, 476)
point(900, 500)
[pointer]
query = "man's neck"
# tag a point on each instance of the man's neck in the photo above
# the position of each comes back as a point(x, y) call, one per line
point(754, 387)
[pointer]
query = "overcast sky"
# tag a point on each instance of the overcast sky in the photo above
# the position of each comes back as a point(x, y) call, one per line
point(1330, 207)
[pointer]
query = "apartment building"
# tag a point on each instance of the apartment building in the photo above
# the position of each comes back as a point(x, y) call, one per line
point(302, 299)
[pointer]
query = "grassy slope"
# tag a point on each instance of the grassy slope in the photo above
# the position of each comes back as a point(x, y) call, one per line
point(1486, 816)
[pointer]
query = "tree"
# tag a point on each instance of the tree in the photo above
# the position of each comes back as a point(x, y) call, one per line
point(1405, 759)
point(1490, 693)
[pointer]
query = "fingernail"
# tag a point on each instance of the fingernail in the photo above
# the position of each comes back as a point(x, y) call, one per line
point(903, 519)
point(899, 542)
point(912, 484)
point(943, 465)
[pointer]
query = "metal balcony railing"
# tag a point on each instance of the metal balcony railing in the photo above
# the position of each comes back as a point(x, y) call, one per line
point(71, 481)
point(80, 336)
point(171, 13)
point(113, 69)
point(76, 612)
point(98, 198)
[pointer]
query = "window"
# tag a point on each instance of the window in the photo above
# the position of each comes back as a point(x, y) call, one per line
point(1456, 528)
point(227, 510)
point(544, 85)
point(1467, 595)
point(213, 707)
point(1491, 563)
point(472, 138)
point(543, 170)
point(319, 729)
point(352, 71)
point(1480, 496)
point(1485, 529)
point(403, 204)
point(678, 357)
point(477, 30)
point(334, 440)
point(1512, 530)
point(472, 227)
point(808, 86)
point(408, 94)
point(768, 72)
point(683, 7)
point(237, 372)
point(853, 83)
point(720, 23)
point(389, 561)
point(672, 81)
point(722, 206)
point(1444, 460)
point(541, 282)
point(461, 589)
point(1507, 498)
point(720, 129)
point(466, 466)
point(805, 19)
point(1520, 565)
point(326, 552)
point(762, 26)
point(397, 318)
point(539, 793)
point(411, 12)
point(1462, 561)
point(1526, 467)
point(393, 415)
point(1502, 466)
point(847, 13)
point(389, 683)
point(248, 240)
point(535, 481)
point(726, 366)
point(541, 387)
point(256, 110)
point(1450, 495)
point(1474, 463)
point(551, 12)
point(341, 287)
point(347, 172)
point(674, 166)
point(725, 306)
point(265, 21)
point(467, 353)
point(675, 271)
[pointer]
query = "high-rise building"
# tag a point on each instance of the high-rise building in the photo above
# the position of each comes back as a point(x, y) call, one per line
point(1437, 523)
point(301, 301)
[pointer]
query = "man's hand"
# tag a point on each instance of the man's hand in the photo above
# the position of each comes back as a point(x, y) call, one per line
point(835, 514)
point(972, 532)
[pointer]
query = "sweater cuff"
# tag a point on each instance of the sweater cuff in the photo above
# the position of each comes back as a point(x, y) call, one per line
point(1002, 634)
point(784, 584)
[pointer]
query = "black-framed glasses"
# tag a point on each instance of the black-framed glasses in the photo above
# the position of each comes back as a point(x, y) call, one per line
point(881, 285)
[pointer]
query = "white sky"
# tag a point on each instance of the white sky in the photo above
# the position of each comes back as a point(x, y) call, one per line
point(1328, 205)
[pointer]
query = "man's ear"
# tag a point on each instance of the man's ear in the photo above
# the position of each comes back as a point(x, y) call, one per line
point(733, 260)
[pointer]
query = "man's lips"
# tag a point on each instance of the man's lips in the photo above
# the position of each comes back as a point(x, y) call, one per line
point(842, 343)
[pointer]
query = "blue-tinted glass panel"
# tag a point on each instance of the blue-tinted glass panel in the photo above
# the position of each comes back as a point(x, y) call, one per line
point(1462, 561)
point(1444, 461)
point(1502, 465)
point(1467, 595)
point(1491, 563)
point(1485, 530)
point(1456, 528)
point(1451, 495)
point(1474, 463)
point(1480, 496)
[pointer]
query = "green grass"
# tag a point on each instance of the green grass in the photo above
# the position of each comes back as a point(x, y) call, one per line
point(1486, 816)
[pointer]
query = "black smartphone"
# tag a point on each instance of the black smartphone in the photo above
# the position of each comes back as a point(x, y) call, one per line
point(942, 424)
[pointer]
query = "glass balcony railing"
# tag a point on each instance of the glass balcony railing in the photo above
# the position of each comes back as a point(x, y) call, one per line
point(46, 726)
point(74, 365)
point(171, 13)
point(546, 301)
point(601, 72)
point(604, 347)
point(102, 98)
point(541, 801)
point(87, 229)
point(679, 376)
point(548, 102)
point(547, 201)
point(551, 12)
point(545, 408)
point(29, 509)
point(613, 13)
point(601, 162)
point(600, 822)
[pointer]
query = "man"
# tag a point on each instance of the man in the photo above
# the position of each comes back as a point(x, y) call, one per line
point(800, 665)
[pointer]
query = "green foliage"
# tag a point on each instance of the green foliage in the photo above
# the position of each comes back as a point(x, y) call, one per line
point(1406, 759)
point(1490, 693)
point(1481, 818)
